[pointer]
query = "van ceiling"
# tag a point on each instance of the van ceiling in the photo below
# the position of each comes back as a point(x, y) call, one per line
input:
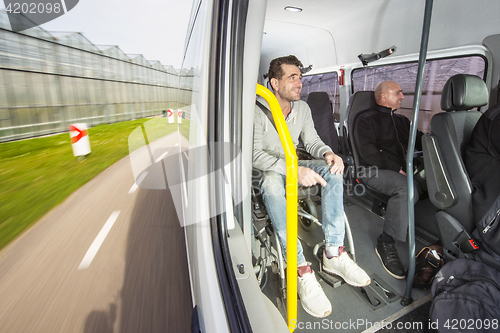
point(329, 33)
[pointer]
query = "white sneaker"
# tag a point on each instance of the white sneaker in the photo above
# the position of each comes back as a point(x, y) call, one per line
point(346, 269)
point(312, 296)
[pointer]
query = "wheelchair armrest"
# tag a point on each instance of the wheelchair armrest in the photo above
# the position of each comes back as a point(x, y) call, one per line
point(349, 167)
point(302, 154)
point(349, 160)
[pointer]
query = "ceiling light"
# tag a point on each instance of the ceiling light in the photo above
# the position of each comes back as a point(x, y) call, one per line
point(293, 9)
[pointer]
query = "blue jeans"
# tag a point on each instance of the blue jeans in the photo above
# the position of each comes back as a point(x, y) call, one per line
point(272, 186)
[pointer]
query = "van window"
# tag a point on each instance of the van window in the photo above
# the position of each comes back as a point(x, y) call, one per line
point(328, 82)
point(437, 72)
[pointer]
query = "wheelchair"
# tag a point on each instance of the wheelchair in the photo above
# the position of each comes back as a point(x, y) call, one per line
point(269, 253)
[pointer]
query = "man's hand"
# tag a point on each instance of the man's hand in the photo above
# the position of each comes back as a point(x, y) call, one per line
point(402, 172)
point(308, 177)
point(335, 163)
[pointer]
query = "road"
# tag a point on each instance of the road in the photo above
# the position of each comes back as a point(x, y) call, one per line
point(110, 258)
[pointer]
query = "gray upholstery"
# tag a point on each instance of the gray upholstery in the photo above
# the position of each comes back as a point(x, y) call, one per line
point(359, 101)
point(447, 180)
point(451, 131)
point(464, 92)
point(322, 114)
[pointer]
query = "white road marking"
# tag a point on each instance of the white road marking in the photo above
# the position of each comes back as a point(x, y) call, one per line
point(89, 256)
point(176, 144)
point(161, 157)
point(185, 155)
point(138, 182)
point(64, 6)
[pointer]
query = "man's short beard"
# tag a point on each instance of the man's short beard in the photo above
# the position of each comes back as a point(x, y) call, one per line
point(289, 99)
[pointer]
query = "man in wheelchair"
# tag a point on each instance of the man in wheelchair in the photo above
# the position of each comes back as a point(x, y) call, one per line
point(269, 157)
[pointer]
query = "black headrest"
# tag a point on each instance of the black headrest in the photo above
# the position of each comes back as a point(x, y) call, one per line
point(318, 100)
point(464, 92)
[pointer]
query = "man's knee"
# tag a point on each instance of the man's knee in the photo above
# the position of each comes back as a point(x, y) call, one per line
point(402, 191)
point(334, 181)
point(333, 178)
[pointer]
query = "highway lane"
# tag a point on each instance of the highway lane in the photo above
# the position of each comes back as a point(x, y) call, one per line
point(136, 281)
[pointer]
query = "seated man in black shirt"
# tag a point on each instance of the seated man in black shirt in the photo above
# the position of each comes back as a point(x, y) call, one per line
point(482, 161)
point(382, 140)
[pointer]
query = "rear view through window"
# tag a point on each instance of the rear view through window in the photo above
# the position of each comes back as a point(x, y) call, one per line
point(437, 72)
point(328, 82)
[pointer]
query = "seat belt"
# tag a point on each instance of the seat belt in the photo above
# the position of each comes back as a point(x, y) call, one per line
point(267, 112)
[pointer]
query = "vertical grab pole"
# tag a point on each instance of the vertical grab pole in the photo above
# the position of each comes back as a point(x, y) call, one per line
point(407, 299)
point(291, 202)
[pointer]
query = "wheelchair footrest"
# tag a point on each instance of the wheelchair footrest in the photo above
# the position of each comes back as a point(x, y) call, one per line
point(333, 280)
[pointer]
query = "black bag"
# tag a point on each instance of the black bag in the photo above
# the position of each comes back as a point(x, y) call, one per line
point(427, 263)
point(466, 298)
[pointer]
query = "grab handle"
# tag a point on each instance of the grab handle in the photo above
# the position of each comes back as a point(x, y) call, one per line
point(291, 202)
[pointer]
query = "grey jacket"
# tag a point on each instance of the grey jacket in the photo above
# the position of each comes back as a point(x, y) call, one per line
point(268, 154)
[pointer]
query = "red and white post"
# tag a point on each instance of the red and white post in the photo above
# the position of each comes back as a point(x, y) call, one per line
point(170, 116)
point(79, 139)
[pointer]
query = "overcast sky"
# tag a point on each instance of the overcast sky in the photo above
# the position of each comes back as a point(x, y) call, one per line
point(154, 28)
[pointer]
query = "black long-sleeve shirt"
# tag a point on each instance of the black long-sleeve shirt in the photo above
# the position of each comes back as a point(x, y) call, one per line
point(382, 138)
point(482, 161)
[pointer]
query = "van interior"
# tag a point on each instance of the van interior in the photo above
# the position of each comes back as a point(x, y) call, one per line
point(348, 47)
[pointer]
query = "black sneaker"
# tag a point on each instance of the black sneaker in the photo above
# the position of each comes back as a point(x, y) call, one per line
point(390, 260)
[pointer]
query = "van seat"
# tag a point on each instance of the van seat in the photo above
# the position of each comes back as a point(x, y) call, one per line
point(448, 183)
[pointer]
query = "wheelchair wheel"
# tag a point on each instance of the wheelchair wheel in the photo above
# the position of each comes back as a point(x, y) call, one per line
point(265, 278)
point(310, 208)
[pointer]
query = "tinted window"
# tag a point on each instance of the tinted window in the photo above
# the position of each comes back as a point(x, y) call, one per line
point(328, 82)
point(437, 72)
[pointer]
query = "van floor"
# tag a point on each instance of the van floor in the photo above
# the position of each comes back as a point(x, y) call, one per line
point(352, 310)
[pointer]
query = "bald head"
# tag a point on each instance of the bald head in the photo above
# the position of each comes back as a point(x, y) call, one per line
point(389, 94)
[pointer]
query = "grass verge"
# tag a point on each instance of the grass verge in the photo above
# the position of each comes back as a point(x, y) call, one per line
point(38, 174)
